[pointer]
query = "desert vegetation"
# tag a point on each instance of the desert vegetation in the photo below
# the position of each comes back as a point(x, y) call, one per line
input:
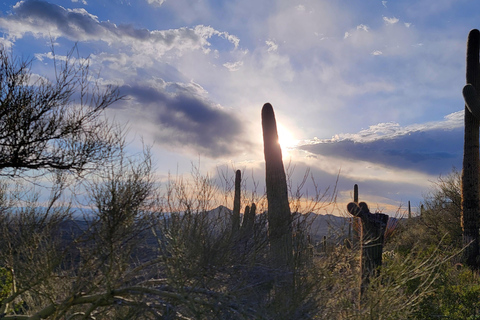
point(111, 242)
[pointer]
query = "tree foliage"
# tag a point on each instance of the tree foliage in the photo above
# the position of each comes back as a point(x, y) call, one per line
point(50, 125)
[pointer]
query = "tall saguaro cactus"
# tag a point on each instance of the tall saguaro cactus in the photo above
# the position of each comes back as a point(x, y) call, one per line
point(471, 161)
point(236, 203)
point(279, 215)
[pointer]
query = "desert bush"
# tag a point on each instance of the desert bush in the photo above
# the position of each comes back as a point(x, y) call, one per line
point(439, 220)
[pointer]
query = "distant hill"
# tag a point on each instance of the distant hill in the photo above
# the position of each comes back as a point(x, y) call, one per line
point(335, 228)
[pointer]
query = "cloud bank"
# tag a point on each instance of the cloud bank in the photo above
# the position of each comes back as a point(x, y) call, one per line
point(43, 19)
point(431, 148)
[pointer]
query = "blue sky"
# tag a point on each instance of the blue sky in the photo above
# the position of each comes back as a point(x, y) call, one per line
point(368, 88)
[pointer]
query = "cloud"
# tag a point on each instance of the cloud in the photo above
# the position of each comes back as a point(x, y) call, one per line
point(233, 66)
point(206, 32)
point(363, 27)
point(5, 43)
point(175, 113)
point(272, 46)
point(183, 118)
point(392, 20)
point(43, 19)
point(156, 3)
point(431, 148)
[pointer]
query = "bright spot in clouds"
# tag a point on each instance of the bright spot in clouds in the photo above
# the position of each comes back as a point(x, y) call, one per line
point(285, 138)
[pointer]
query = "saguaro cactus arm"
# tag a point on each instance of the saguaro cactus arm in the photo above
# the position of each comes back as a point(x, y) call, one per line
point(373, 224)
point(472, 101)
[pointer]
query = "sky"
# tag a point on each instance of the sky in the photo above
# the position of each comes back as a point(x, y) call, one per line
point(365, 92)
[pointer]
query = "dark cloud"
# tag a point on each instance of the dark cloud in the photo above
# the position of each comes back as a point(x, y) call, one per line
point(40, 17)
point(41, 13)
point(186, 120)
point(433, 151)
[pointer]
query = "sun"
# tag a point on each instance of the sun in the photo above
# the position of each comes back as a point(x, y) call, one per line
point(285, 138)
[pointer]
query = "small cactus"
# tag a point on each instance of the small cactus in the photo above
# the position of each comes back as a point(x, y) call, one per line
point(355, 221)
point(249, 219)
point(355, 193)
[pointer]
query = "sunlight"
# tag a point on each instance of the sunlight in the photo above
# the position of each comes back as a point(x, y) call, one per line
point(285, 138)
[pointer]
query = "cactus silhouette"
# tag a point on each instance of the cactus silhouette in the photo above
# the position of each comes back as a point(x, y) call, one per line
point(249, 219)
point(247, 236)
point(373, 228)
point(471, 161)
point(279, 215)
point(236, 203)
point(355, 193)
point(355, 221)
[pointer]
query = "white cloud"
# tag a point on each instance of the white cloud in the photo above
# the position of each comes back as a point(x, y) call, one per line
point(49, 55)
point(5, 43)
point(156, 3)
point(42, 19)
point(82, 1)
point(272, 46)
point(362, 27)
point(384, 3)
point(392, 20)
point(207, 32)
point(233, 66)
point(377, 53)
point(391, 130)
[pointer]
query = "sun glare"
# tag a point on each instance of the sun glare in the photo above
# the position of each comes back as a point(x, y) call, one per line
point(285, 138)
